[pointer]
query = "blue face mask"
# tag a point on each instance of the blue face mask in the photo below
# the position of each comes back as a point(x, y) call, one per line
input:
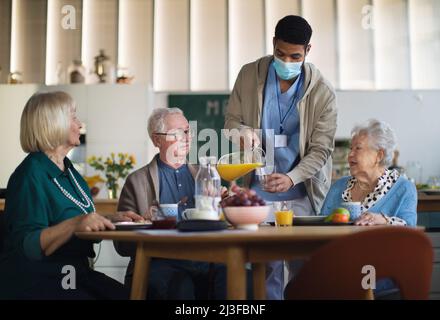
point(287, 70)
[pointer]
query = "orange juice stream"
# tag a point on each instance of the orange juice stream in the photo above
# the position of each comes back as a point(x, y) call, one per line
point(231, 172)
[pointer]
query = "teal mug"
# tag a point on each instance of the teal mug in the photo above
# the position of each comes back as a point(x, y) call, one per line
point(354, 208)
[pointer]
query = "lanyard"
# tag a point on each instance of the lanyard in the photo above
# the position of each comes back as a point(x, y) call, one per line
point(295, 97)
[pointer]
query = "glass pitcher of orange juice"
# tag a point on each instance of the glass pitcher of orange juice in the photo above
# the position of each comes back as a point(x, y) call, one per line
point(233, 166)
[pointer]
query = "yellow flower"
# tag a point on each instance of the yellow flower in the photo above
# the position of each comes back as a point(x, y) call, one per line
point(91, 159)
point(111, 167)
point(93, 180)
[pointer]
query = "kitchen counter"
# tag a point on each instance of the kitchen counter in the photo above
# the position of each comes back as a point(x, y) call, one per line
point(426, 203)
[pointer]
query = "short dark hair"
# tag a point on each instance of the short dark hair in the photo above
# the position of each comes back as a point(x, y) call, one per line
point(294, 30)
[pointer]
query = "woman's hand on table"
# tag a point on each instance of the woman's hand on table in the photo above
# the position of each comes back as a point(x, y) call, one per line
point(93, 222)
point(370, 219)
point(278, 182)
point(126, 216)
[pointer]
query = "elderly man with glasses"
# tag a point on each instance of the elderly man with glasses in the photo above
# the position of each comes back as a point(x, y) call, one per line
point(168, 179)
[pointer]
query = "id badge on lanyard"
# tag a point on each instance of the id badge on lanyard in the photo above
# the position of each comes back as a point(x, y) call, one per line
point(280, 141)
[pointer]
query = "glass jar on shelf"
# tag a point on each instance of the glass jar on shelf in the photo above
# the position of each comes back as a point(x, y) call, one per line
point(104, 68)
point(15, 77)
point(77, 72)
point(414, 172)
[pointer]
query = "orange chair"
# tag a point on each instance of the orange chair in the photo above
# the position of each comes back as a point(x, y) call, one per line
point(335, 271)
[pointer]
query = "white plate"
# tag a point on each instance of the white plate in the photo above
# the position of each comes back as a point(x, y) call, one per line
point(131, 223)
point(309, 218)
point(430, 192)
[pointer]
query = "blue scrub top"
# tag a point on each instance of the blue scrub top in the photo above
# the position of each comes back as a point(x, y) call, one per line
point(280, 113)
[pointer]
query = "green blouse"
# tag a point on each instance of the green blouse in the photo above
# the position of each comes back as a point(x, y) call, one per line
point(33, 203)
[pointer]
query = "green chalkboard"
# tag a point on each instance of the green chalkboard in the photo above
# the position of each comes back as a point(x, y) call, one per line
point(208, 110)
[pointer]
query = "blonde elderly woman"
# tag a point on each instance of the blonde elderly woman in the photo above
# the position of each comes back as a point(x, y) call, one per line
point(47, 201)
point(386, 197)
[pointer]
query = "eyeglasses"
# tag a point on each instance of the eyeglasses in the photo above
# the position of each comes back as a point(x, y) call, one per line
point(178, 134)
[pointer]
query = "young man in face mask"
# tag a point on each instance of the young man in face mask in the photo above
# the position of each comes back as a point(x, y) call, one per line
point(295, 107)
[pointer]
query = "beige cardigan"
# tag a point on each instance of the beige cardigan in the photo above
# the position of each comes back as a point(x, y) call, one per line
point(317, 111)
point(142, 187)
point(137, 195)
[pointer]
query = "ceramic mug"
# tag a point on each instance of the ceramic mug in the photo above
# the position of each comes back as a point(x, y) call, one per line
point(354, 208)
point(194, 214)
point(170, 210)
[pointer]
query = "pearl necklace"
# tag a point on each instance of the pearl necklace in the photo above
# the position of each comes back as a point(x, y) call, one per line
point(81, 205)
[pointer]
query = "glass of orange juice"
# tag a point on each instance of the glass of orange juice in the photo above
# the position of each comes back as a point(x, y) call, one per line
point(283, 214)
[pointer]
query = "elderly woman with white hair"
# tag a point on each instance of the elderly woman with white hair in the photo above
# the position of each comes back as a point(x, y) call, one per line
point(47, 201)
point(386, 197)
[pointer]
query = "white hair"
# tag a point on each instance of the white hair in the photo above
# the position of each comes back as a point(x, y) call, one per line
point(380, 137)
point(156, 122)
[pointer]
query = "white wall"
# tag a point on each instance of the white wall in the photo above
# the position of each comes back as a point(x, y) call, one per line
point(62, 46)
point(171, 45)
point(28, 39)
point(100, 25)
point(12, 101)
point(5, 39)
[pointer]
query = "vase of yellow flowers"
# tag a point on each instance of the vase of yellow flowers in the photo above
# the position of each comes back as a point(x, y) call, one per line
point(94, 182)
point(114, 169)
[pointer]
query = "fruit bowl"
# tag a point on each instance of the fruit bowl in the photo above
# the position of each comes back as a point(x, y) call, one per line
point(247, 218)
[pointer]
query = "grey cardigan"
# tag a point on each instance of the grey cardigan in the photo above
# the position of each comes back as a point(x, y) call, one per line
point(137, 195)
point(142, 187)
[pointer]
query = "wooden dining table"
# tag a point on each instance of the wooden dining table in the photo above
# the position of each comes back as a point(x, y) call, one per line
point(234, 248)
